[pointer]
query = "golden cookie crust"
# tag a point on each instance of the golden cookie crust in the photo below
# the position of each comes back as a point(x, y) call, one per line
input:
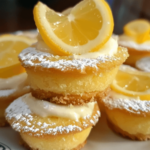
point(70, 99)
point(24, 144)
point(139, 137)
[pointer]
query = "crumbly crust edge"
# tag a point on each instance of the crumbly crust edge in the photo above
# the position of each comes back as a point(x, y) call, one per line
point(24, 144)
point(139, 137)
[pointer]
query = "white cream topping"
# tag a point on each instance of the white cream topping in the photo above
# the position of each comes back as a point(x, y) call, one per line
point(131, 104)
point(13, 85)
point(128, 41)
point(44, 108)
point(23, 120)
point(13, 82)
point(109, 49)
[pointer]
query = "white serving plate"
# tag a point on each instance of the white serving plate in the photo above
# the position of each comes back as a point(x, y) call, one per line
point(101, 138)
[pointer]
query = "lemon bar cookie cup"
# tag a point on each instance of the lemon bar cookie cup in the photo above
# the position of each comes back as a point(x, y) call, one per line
point(67, 128)
point(136, 40)
point(136, 51)
point(128, 116)
point(13, 79)
point(64, 80)
point(127, 106)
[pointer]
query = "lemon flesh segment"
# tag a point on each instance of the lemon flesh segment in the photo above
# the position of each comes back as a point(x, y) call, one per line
point(136, 84)
point(10, 47)
point(88, 27)
point(74, 28)
point(139, 29)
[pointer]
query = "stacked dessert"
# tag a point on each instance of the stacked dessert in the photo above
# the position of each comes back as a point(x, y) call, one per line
point(70, 67)
point(136, 38)
point(13, 79)
point(128, 106)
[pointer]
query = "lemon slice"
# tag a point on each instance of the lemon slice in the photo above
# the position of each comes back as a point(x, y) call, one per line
point(10, 47)
point(88, 27)
point(140, 29)
point(132, 83)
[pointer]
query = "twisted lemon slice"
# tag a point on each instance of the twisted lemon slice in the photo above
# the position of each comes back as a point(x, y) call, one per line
point(132, 83)
point(139, 29)
point(10, 47)
point(88, 27)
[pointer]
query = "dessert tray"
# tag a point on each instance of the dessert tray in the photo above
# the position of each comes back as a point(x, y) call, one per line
point(101, 137)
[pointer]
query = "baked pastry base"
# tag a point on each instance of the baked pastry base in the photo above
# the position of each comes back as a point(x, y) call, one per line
point(67, 141)
point(139, 137)
point(24, 144)
point(70, 99)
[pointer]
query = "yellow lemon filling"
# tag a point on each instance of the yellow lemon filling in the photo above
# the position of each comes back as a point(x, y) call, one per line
point(59, 142)
point(133, 124)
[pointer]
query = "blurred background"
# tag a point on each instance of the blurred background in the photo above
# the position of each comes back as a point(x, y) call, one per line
point(17, 14)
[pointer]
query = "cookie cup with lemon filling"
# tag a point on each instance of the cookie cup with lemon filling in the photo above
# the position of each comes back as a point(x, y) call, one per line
point(128, 116)
point(74, 79)
point(74, 61)
point(136, 40)
point(136, 51)
point(54, 126)
point(13, 79)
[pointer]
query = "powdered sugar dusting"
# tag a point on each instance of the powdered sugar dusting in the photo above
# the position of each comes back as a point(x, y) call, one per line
point(136, 46)
point(17, 109)
point(144, 64)
point(23, 120)
point(29, 55)
point(128, 41)
point(132, 105)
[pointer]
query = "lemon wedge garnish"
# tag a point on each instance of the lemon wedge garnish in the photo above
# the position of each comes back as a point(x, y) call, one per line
point(139, 29)
point(10, 47)
point(132, 83)
point(87, 28)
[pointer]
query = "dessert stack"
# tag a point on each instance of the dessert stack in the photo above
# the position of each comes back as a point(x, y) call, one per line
point(69, 69)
